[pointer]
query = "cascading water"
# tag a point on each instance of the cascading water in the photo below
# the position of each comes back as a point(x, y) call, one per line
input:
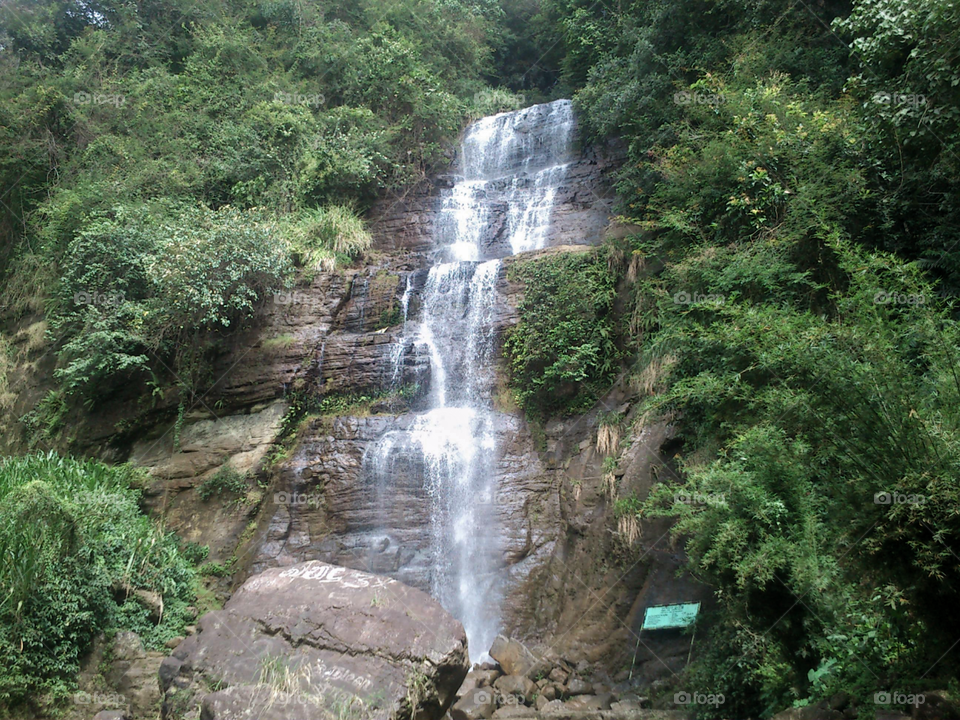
point(511, 166)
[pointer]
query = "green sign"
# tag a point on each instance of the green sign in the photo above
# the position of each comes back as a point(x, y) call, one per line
point(662, 617)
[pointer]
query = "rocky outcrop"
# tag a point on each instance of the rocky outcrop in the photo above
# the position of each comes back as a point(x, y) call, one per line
point(551, 687)
point(315, 640)
point(117, 681)
point(582, 208)
point(326, 508)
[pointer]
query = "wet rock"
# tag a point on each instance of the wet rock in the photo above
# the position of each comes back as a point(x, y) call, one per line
point(320, 636)
point(513, 656)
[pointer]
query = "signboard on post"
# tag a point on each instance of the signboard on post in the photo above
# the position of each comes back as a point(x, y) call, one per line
point(665, 617)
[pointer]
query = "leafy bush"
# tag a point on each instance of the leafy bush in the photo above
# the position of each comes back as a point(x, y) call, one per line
point(225, 480)
point(74, 548)
point(142, 283)
point(808, 372)
point(562, 352)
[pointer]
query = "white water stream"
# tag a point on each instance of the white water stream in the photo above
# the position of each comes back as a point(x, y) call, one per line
point(511, 167)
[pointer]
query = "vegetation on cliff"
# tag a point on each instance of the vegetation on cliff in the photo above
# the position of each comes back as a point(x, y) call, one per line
point(787, 299)
point(165, 165)
point(77, 558)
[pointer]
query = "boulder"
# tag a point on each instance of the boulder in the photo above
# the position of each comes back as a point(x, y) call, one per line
point(513, 656)
point(937, 705)
point(478, 704)
point(130, 674)
point(312, 639)
point(470, 683)
point(589, 702)
point(519, 687)
point(577, 686)
point(515, 712)
point(554, 708)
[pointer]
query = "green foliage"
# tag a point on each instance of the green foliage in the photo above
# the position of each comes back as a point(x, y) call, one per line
point(167, 158)
point(139, 285)
point(813, 418)
point(808, 371)
point(563, 352)
point(319, 236)
point(74, 547)
point(225, 480)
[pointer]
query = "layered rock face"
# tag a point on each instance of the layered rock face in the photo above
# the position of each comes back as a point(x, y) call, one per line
point(436, 497)
point(319, 641)
point(580, 206)
point(551, 570)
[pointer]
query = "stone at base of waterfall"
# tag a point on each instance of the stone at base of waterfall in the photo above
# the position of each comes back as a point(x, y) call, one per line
point(513, 656)
point(316, 640)
point(515, 689)
point(476, 704)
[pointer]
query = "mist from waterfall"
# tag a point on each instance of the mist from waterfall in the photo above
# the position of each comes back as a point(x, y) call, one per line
point(511, 165)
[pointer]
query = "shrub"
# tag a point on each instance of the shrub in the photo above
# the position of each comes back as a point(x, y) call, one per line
point(225, 480)
point(74, 547)
point(147, 282)
point(562, 352)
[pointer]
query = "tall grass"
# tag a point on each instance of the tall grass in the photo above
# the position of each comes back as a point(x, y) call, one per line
point(74, 546)
point(326, 236)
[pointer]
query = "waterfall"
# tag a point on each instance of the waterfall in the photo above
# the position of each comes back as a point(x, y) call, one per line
point(510, 168)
